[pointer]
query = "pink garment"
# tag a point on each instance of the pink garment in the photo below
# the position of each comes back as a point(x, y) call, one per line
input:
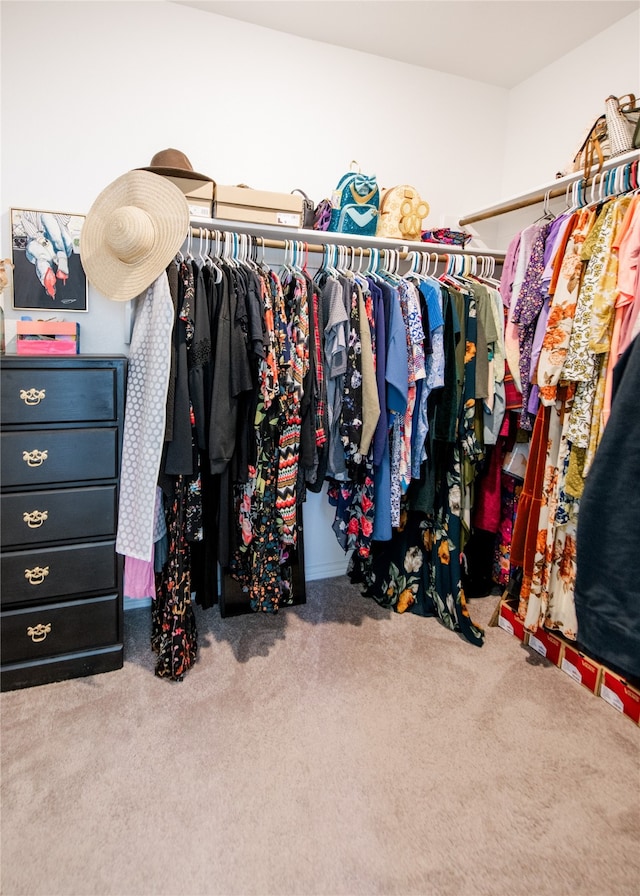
point(627, 245)
point(139, 579)
point(509, 270)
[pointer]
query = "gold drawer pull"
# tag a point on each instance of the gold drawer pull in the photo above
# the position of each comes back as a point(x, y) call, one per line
point(32, 396)
point(38, 632)
point(36, 518)
point(34, 458)
point(37, 575)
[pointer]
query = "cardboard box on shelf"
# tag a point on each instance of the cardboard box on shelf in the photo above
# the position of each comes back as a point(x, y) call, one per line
point(581, 668)
point(258, 206)
point(511, 622)
point(200, 194)
point(47, 337)
point(621, 695)
point(547, 645)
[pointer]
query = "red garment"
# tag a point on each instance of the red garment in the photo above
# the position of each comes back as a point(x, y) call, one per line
point(487, 505)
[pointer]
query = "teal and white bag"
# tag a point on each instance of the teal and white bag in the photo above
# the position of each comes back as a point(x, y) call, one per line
point(355, 203)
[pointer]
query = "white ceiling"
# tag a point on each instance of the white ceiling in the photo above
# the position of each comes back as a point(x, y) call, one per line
point(501, 42)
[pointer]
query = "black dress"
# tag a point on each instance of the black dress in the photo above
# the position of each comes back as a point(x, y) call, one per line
point(607, 593)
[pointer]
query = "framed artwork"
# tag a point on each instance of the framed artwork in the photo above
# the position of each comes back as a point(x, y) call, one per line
point(47, 272)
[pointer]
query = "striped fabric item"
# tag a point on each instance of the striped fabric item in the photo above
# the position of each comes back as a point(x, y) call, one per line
point(296, 302)
point(288, 455)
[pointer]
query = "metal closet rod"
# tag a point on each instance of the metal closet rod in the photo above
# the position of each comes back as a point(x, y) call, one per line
point(435, 248)
point(553, 191)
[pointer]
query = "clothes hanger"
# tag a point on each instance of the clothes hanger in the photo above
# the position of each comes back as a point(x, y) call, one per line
point(547, 214)
point(202, 253)
point(374, 262)
point(228, 250)
point(332, 259)
point(263, 262)
point(436, 261)
point(190, 246)
point(415, 262)
point(212, 261)
point(304, 248)
point(285, 270)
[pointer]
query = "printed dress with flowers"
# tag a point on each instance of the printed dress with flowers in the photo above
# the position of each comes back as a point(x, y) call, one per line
point(419, 568)
point(471, 450)
point(353, 498)
point(266, 511)
point(555, 343)
point(441, 538)
point(173, 626)
point(582, 365)
point(546, 597)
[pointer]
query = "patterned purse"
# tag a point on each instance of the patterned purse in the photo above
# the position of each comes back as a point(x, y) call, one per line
point(613, 133)
point(355, 203)
point(322, 215)
point(401, 213)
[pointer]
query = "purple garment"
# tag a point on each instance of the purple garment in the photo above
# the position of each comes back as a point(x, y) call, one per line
point(381, 434)
point(556, 233)
point(554, 237)
point(538, 336)
point(509, 270)
point(525, 314)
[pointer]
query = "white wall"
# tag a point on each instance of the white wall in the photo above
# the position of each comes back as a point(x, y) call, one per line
point(550, 112)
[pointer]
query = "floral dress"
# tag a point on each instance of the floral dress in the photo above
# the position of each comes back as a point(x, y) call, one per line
point(555, 343)
point(173, 627)
point(546, 596)
point(419, 569)
point(353, 499)
point(266, 504)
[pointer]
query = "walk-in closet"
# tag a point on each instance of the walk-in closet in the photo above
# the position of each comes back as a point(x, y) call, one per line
point(319, 379)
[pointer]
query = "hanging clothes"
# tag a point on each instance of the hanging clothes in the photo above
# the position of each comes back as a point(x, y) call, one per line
point(580, 287)
point(273, 382)
point(417, 566)
point(147, 383)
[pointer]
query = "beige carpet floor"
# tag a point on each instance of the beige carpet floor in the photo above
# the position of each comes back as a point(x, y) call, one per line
point(335, 748)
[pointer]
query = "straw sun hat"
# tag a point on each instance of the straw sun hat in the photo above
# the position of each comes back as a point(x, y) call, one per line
point(132, 231)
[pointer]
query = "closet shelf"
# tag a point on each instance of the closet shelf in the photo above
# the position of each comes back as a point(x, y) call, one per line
point(274, 236)
point(554, 189)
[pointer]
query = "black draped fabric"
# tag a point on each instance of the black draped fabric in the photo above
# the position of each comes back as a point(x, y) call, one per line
point(607, 591)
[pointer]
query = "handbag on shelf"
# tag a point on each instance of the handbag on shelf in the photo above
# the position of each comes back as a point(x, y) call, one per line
point(612, 133)
point(307, 209)
point(322, 215)
point(355, 203)
point(402, 212)
point(621, 124)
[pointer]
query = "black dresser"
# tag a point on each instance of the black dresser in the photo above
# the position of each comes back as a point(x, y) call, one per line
point(61, 439)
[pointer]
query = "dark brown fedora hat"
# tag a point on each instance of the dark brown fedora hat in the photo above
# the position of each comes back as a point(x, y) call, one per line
point(173, 163)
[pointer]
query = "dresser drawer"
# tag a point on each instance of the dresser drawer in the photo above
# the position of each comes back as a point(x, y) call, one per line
point(35, 517)
point(49, 395)
point(43, 573)
point(58, 628)
point(44, 457)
